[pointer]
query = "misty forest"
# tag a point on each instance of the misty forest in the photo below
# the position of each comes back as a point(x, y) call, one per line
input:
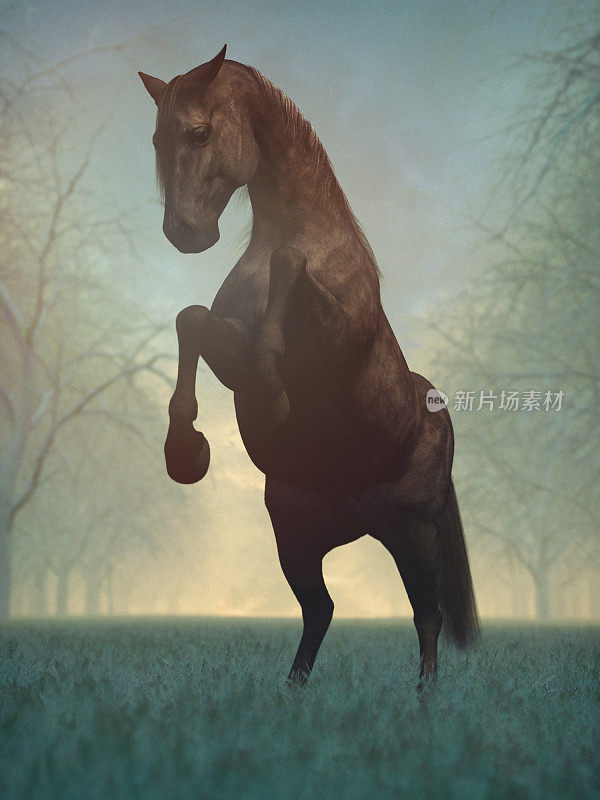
point(146, 626)
point(90, 523)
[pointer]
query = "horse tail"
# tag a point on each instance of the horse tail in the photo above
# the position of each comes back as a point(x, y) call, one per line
point(457, 597)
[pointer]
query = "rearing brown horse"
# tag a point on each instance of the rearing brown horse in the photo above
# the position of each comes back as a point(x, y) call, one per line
point(326, 405)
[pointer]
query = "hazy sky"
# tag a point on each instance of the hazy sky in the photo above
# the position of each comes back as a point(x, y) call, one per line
point(404, 96)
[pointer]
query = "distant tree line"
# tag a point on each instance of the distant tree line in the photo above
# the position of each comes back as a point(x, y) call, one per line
point(79, 368)
point(528, 322)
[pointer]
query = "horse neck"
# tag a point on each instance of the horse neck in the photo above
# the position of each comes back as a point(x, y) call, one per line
point(294, 190)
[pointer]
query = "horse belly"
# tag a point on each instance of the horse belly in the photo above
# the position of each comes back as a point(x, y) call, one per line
point(339, 440)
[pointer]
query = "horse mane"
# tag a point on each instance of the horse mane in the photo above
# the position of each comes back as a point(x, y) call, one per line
point(298, 128)
point(164, 113)
point(279, 106)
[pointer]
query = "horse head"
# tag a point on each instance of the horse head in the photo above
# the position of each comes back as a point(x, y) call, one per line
point(205, 149)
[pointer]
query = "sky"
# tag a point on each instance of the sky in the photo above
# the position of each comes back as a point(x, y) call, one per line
point(405, 96)
point(408, 99)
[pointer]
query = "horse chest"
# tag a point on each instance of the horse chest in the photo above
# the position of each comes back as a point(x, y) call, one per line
point(244, 312)
point(243, 294)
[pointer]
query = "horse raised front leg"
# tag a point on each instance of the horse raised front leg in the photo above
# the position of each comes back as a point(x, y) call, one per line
point(252, 370)
point(224, 348)
point(187, 453)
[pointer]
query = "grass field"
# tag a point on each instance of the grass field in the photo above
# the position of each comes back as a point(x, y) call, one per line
point(199, 709)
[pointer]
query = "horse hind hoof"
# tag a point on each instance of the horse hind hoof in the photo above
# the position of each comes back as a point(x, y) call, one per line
point(187, 459)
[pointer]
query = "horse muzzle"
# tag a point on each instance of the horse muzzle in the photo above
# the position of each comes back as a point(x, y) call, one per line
point(191, 238)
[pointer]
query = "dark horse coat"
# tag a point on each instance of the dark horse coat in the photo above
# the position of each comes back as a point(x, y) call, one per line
point(326, 405)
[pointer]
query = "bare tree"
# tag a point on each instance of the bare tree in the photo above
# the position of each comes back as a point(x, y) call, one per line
point(529, 323)
point(97, 514)
point(63, 347)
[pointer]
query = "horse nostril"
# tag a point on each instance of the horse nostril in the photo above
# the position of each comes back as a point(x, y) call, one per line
point(178, 229)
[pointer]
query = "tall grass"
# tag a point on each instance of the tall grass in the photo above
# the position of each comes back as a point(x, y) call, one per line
point(199, 709)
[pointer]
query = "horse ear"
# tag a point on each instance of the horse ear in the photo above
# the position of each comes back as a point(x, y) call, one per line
point(155, 86)
point(206, 73)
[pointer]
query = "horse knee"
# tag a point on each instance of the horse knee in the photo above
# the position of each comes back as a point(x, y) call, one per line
point(190, 320)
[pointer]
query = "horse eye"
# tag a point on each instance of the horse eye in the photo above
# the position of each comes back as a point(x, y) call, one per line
point(201, 134)
point(155, 140)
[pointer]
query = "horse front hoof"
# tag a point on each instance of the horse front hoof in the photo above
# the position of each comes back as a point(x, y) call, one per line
point(187, 456)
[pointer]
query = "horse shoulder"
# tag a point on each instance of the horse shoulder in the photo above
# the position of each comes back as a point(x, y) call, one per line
point(243, 294)
point(347, 283)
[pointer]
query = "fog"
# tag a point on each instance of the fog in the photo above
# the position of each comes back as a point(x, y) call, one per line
point(468, 149)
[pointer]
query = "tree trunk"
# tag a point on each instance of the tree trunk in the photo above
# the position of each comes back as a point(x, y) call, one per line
point(592, 593)
point(93, 589)
point(62, 593)
point(124, 598)
point(110, 591)
point(39, 595)
point(542, 596)
point(5, 563)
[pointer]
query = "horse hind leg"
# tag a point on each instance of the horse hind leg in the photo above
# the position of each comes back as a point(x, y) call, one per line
point(305, 578)
point(415, 551)
point(306, 527)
